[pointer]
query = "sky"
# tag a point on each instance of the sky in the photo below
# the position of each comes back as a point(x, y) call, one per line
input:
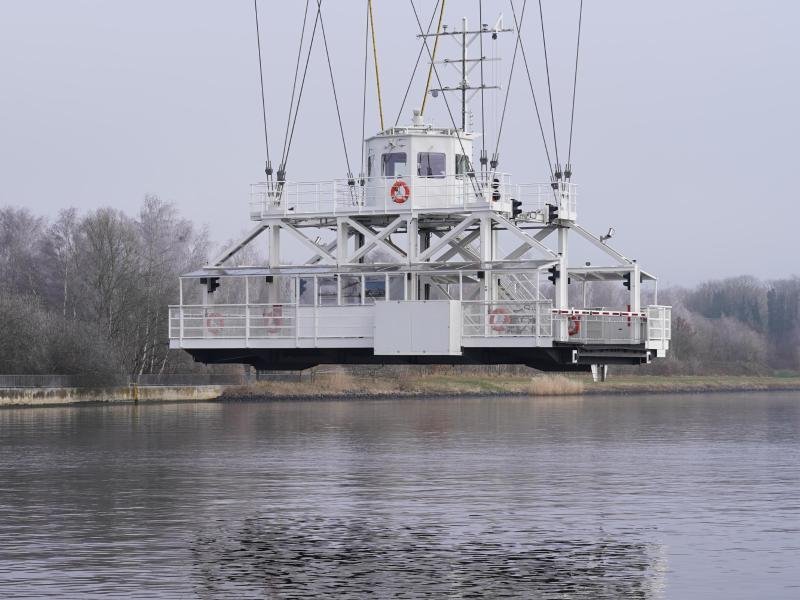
point(685, 132)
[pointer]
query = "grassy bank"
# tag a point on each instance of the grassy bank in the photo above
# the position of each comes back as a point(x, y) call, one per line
point(342, 385)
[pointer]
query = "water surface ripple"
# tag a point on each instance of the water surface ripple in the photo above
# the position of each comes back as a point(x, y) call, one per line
point(599, 497)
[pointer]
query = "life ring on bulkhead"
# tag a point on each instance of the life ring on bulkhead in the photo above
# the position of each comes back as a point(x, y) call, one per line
point(273, 318)
point(574, 325)
point(400, 192)
point(215, 323)
point(499, 319)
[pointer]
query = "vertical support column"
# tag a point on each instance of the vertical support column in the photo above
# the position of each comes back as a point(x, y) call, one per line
point(180, 307)
point(486, 256)
point(342, 234)
point(635, 298)
point(424, 291)
point(562, 284)
point(246, 310)
point(274, 242)
point(413, 253)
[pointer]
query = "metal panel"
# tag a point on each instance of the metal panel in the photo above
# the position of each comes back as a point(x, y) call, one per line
point(418, 327)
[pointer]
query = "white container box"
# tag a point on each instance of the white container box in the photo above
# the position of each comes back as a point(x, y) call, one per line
point(418, 327)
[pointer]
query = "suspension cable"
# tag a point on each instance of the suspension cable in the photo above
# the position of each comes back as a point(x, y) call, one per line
point(333, 86)
point(530, 84)
point(268, 164)
point(416, 66)
point(568, 171)
point(375, 60)
point(517, 44)
point(294, 86)
point(549, 88)
point(475, 185)
point(483, 83)
point(300, 94)
point(433, 58)
point(364, 97)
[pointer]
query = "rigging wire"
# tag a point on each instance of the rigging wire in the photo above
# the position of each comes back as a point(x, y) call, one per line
point(549, 91)
point(375, 60)
point(364, 97)
point(268, 165)
point(517, 44)
point(294, 87)
point(300, 95)
point(475, 185)
point(568, 170)
point(433, 58)
point(530, 84)
point(416, 66)
point(483, 106)
point(333, 86)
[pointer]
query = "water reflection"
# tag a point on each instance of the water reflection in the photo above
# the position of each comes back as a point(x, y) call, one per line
point(615, 497)
point(293, 556)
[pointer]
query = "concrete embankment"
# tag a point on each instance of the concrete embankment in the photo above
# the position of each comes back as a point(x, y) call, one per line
point(13, 397)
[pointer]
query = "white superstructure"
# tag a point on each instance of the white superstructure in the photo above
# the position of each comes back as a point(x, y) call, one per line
point(422, 258)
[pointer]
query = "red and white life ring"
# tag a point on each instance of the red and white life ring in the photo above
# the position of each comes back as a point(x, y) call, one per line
point(400, 191)
point(273, 318)
point(215, 323)
point(574, 325)
point(499, 319)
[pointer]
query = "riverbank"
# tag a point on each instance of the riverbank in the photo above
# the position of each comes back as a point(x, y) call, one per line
point(52, 396)
point(341, 385)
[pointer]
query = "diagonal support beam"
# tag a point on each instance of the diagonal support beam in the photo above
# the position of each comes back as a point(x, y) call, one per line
point(329, 247)
point(232, 250)
point(461, 246)
point(373, 238)
point(595, 241)
point(378, 238)
point(445, 240)
point(316, 248)
point(531, 241)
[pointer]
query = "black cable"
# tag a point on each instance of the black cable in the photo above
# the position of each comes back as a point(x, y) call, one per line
point(444, 97)
point(268, 169)
point(483, 106)
point(302, 87)
point(549, 89)
point(530, 84)
point(364, 98)
point(333, 86)
point(416, 66)
point(574, 88)
point(294, 83)
point(517, 44)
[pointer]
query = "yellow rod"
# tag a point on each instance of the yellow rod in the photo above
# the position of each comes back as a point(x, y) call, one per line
point(433, 58)
point(375, 60)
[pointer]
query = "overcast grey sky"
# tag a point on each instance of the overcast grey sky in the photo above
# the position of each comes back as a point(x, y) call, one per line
point(685, 135)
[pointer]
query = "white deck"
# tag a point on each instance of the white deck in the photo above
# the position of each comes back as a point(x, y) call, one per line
point(481, 324)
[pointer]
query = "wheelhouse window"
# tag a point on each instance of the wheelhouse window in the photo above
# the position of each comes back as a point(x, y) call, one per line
point(431, 164)
point(462, 164)
point(393, 164)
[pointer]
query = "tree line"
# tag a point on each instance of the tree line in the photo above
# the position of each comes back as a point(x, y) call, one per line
point(89, 293)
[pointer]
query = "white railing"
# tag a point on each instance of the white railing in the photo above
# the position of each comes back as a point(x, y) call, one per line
point(531, 318)
point(499, 319)
point(659, 328)
point(232, 321)
point(599, 327)
point(375, 196)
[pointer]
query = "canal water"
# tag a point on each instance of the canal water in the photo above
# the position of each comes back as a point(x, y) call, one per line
point(596, 497)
